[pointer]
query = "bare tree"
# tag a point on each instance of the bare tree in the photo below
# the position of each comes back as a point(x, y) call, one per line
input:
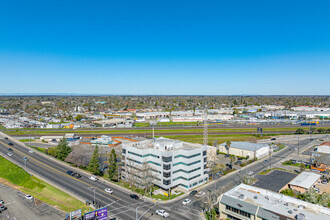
point(148, 177)
point(131, 172)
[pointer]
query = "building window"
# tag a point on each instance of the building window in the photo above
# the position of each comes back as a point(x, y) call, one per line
point(204, 153)
point(166, 174)
point(187, 157)
point(150, 155)
point(124, 151)
point(166, 166)
point(135, 154)
point(194, 177)
point(187, 164)
point(232, 217)
point(238, 211)
point(166, 182)
point(205, 159)
point(204, 166)
point(167, 159)
point(184, 171)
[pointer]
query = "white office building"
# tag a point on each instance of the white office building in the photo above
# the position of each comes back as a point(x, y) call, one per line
point(174, 163)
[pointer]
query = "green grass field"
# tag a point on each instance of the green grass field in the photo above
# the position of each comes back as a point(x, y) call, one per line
point(143, 131)
point(38, 188)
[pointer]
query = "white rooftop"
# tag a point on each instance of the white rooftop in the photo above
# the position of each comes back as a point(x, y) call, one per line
point(305, 180)
point(272, 204)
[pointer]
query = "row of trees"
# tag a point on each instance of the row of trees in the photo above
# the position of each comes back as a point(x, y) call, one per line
point(313, 130)
point(310, 196)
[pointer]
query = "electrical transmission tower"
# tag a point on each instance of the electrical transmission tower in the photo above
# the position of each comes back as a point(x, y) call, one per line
point(205, 131)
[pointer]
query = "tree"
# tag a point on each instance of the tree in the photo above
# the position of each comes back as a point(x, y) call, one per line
point(321, 130)
point(324, 199)
point(302, 167)
point(228, 143)
point(312, 196)
point(148, 177)
point(112, 170)
point(232, 159)
point(248, 180)
point(63, 149)
point(300, 131)
point(94, 165)
point(78, 117)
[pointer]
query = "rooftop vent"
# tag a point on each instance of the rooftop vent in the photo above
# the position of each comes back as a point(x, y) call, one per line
point(255, 197)
point(266, 197)
point(286, 204)
point(301, 207)
point(290, 212)
point(241, 196)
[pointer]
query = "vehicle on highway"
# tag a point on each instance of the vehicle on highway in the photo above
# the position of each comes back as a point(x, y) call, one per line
point(133, 196)
point(29, 197)
point(10, 144)
point(108, 190)
point(70, 172)
point(200, 194)
point(162, 213)
point(249, 173)
point(25, 159)
point(93, 178)
point(77, 175)
point(186, 201)
point(265, 161)
point(193, 193)
point(31, 151)
point(6, 138)
point(10, 154)
point(9, 149)
point(273, 139)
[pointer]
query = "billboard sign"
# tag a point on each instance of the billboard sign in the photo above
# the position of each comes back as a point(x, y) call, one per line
point(100, 214)
point(75, 214)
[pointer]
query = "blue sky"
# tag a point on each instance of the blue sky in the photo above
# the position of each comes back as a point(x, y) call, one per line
point(222, 47)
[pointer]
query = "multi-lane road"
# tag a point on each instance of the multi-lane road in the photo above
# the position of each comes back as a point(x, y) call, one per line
point(119, 203)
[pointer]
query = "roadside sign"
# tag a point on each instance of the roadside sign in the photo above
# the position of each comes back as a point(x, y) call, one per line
point(75, 214)
point(100, 214)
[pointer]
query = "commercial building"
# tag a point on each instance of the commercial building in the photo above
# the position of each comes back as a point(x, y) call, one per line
point(103, 140)
point(173, 163)
point(303, 182)
point(244, 149)
point(246, 202)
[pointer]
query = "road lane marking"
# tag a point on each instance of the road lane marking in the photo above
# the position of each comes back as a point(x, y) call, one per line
point(57, 171)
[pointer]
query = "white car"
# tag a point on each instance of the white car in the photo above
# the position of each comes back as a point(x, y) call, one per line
point(250, 173)
point(186, 201)
point(108, 190)
point(200, 194)
point(29, 197)
point(9, 154)
point(162, 213)
point(31, 151)
point(93, 178)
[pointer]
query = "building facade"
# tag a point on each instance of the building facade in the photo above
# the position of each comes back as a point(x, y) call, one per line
point(173, 163)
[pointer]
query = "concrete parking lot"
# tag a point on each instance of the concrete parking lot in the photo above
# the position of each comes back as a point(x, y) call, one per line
point(19, 208)
point(275, 180)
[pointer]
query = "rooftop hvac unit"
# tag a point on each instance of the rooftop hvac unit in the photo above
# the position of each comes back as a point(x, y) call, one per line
point(241, 196)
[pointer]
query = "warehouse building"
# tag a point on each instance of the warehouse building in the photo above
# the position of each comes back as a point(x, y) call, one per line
point(303, 182)
point(249, 202)
point(244, 149)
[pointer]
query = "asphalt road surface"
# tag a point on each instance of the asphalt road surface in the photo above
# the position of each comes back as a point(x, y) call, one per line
point(119, 204)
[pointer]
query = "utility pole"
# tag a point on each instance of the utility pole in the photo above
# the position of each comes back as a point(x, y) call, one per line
point(298, 145)
point(270, 157)
point(205, 131)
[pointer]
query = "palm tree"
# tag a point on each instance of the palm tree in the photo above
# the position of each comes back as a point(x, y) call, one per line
point(228, 143)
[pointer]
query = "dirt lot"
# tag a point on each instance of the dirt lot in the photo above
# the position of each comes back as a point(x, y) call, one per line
point(19, 208)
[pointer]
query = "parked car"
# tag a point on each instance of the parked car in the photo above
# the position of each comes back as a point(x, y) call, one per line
point(93, 178)
point(239, 162)
point(186, 201)
point(193, 193)
point(249, 173)
point(133, 196)
point(70, 172)
point(200, 194)
point(324, 181)
point(227, 155)
point(77, 175)
point(29, 197)
point(162, 213)
point(10, 154)
point(317, 190)
point(108, 190)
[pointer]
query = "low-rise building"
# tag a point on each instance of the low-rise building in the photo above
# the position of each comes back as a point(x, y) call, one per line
point(244, 149)
point(246, 202)
point(173, 163)
point(303, 182)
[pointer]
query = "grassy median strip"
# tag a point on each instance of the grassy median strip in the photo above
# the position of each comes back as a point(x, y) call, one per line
point(18, 178)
